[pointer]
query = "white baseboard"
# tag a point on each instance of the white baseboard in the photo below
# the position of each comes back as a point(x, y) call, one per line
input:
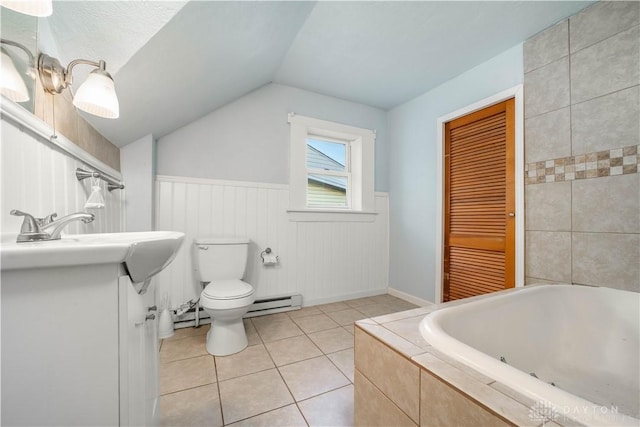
point(409, 298)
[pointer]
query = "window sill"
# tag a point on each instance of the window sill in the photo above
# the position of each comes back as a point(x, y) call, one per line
point(330, 215)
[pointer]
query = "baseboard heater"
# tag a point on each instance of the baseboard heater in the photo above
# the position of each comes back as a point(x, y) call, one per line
point(260, 307)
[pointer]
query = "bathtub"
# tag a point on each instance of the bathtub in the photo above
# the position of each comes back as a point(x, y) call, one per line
point(582, 343)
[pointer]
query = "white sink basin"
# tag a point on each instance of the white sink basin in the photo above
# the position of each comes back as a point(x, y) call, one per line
point(144, 253)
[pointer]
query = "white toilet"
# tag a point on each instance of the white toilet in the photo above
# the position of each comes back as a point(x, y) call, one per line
point(221, 263)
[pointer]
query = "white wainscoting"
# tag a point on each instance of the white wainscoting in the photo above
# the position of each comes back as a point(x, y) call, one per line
point(323, 261)
point(39, 178)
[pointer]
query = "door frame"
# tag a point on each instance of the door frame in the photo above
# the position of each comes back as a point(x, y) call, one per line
point(515, 92)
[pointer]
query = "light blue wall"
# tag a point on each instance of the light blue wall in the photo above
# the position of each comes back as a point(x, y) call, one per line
point(137, 167)
point(412, 167)
point(248, 139)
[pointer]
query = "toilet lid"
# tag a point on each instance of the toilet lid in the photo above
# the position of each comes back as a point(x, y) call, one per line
point(227, 289)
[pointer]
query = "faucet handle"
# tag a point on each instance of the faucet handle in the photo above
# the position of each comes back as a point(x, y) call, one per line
point(29, 225)
point(47, 219)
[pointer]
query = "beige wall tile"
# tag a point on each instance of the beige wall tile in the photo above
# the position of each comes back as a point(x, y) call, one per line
point(607, 259)
point(533, 281)
point(606, 67)
point(97, 145)
point(442, 405)
point(548, 136)
point(546, 46)
point(374, 409)
point(65, 117)
point(548, 255)
point(602, 20)
point(395, 376)
point(547, 88)
point(608, 204)
point(548, 206)
point(607, 122)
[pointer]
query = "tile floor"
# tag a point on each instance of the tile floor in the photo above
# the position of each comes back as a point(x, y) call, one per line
point(296, 371)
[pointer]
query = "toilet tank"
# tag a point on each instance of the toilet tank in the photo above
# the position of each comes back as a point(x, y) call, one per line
point(220, 258)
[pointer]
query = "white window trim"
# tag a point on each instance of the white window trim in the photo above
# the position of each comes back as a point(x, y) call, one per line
point(362, 146)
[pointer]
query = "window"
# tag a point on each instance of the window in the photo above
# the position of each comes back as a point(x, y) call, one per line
point(332, 167)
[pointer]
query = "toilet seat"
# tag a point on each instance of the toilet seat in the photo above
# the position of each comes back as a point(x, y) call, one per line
point(227, 289)
point(227, 294)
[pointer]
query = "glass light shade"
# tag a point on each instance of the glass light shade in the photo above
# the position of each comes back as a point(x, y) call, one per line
point(11, 84)
point(97, 95)
point(30, 7)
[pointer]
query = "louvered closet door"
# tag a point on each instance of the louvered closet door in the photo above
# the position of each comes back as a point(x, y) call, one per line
point(479, 253)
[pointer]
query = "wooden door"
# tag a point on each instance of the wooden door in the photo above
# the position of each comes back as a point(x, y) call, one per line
point(479, 252)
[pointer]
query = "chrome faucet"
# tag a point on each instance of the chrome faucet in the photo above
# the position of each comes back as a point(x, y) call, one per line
point(47, 228)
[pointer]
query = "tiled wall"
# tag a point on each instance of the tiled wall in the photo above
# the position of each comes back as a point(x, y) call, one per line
point(59, 113)
point(582, 136)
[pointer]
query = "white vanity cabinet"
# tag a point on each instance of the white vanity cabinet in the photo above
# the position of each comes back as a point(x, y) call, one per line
point(77, 348)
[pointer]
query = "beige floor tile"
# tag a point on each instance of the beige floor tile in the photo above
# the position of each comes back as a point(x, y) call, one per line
point(194, 407)
point(377, 309)
point(289, 416)
point(188, 332)
point(334, 306)
point(350, 329)
point(252, 334)
point(250, 360)
point(315, 323)
point(187, 373)
point(312, 377)
point(346, 317)
point(254, 394)
point(291, 350)
point(305, 311)
point(334, 408)
point(332, 340)
point(344, 361)
point(359, 302)
point(276, 328)
point(183, 348)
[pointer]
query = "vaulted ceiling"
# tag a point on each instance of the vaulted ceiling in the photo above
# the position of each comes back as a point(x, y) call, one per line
point(174, 62)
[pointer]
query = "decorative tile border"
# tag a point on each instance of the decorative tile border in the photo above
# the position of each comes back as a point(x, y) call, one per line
point(618, 161)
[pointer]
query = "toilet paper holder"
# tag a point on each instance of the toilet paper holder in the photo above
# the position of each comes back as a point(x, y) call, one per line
point(267, 251)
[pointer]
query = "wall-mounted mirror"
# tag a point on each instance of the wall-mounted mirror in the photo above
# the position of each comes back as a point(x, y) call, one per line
point(19, 39)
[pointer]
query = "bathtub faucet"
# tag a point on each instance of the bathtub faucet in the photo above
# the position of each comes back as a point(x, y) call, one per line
point(47, 228)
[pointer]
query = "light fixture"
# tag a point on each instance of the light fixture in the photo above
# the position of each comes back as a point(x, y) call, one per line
point(97, 95)
point(11, 83)
point(30, 7)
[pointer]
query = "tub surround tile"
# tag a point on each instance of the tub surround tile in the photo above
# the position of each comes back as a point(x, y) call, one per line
point(444, 406)
point(292, 350)
point(251, 395)
point(606, 122)
point(548, 255)
point(374, 409)
point(315, 323)
point(406, 314)
point(610, 204)
point(477, 376)
point(607, 258)
point(508, 391)
point(548, 207)
point(312, 377)
point(548, 136)
point(547, 88)
point(334, 408)
point(393, 374)
point(605, 67)
point(547, 46)
point(250, 360)
point(194, 407)
point(332, 340)
point(602, 20)
point(187, 373)
point(409, 329)
point(400, 344)
point(288, 416)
